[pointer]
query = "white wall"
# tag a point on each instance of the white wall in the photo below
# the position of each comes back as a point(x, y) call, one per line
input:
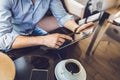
point(108, 4)
point(74, 7)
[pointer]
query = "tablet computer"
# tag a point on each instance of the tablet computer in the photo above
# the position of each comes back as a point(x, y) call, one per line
point(64, 45)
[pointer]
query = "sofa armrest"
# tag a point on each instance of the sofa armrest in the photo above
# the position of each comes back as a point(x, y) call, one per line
point(48, 23)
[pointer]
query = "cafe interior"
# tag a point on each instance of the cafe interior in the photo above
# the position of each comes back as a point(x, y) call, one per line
point(93, 55)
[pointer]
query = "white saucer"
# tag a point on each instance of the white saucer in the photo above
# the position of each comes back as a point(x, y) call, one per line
point(62, 74)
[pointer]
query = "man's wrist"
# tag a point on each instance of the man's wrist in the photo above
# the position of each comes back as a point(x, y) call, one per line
point(76, 30)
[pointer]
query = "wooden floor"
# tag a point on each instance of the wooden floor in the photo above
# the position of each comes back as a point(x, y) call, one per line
point(104, 64)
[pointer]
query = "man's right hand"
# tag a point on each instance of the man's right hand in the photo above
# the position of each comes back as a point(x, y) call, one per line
point(51, 40)
point(54, 40)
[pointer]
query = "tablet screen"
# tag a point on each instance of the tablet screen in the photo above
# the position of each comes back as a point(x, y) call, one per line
point(62, 47)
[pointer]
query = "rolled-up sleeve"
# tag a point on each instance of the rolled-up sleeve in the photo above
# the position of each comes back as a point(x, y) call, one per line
point(59, 12)
point(7, 34)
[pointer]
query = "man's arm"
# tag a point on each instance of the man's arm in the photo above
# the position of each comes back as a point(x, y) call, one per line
point(66, 19)
point(9, 38)
point(26, 41)
point(7, 34)
point(52, 40)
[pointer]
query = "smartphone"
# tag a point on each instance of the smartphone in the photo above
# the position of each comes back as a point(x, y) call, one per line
point(92, 18)
point(39, 74)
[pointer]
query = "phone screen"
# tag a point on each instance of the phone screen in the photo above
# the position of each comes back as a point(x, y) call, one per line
point(39, 74)
point(91, 18)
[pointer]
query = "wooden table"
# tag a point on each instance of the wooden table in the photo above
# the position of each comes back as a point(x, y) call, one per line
point(24, 66)
point(7, 67)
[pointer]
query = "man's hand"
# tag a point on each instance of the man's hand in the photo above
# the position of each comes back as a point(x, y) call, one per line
point(85, 27)
point(72, 25)
point(55, 40)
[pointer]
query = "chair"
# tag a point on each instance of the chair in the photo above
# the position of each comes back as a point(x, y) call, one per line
point(7, 67)
point(75, 7)
point(111, 34)
point(49, 23)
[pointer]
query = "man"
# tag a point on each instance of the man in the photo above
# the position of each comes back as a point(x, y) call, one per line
point(19, 18)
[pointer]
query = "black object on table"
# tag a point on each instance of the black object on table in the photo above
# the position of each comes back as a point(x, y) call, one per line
point(26, 64)
point(39, 60)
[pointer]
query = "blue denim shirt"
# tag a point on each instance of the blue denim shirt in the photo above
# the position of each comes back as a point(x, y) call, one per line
point(19, 17)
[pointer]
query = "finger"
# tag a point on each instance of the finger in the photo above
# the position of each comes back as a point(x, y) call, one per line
point(59, 43)
point(56, 46)
point(65, 37)
point(85, 26)
point(90, 24)
point(61, 40)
